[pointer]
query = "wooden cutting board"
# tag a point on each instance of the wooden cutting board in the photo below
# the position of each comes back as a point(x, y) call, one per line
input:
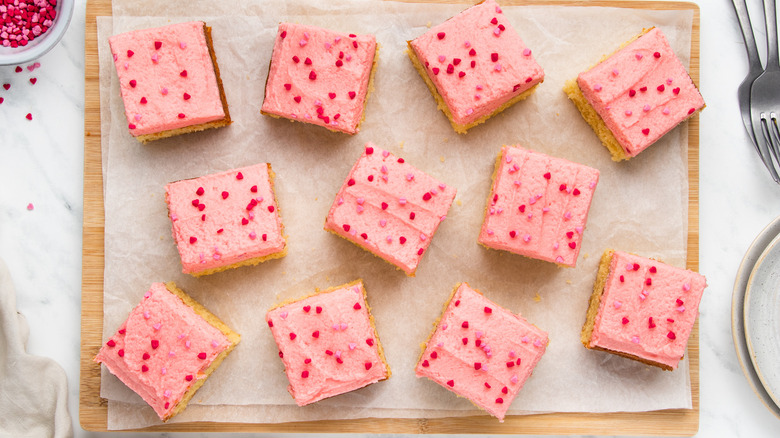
point(93, 410)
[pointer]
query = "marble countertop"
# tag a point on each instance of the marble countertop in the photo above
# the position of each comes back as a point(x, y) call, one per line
point(41, 163)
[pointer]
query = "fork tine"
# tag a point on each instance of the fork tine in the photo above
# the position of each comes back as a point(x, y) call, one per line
point(763, 142)
point(775, 149)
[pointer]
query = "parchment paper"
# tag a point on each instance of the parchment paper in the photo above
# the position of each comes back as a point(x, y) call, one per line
point(639, 206)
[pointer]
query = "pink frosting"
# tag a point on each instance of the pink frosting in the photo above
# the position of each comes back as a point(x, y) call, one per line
point(389, 208)
point(648, 309)
point(482, 351)
point(327, 344)
point(166, 78)
point(162, 349)
point(503, 66)
point(224, 218)
point(538, 206)
point(319, 76)
point(641, 92)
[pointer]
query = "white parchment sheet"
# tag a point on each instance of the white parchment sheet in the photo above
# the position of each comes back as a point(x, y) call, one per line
point(639, 206)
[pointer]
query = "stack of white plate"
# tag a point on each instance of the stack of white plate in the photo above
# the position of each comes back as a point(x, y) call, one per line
point(755, 315)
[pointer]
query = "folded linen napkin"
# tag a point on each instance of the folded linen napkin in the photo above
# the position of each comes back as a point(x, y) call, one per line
point(33, 389)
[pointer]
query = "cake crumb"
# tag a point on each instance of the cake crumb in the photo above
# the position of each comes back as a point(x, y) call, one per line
point(568, 281)
point(458, 202)
point(400, 145)
point(585, 256)
point(441, 158)
point(428, 24)
point(446, 139)
point(30, 206)
point(537, 297)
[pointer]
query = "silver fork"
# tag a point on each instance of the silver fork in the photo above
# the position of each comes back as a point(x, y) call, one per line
point(754, 70)
point(765, 97)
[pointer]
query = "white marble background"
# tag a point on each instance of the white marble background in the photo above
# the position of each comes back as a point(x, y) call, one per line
point(41, 162)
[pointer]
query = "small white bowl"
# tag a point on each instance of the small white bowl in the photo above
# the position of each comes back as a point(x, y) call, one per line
point(42, 44)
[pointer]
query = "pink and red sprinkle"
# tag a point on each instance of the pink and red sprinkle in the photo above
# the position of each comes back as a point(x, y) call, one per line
point(23, 23)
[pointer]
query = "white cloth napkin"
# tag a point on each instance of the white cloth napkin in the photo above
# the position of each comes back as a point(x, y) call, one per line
point(33, 389)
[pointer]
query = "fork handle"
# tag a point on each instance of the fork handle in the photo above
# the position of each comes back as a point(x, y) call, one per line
point(740, 7)
point(770, 13)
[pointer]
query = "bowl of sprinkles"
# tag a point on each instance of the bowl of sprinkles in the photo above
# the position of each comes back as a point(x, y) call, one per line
point(30, 28)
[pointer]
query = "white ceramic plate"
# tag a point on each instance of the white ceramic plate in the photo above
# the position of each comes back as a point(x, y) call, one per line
point(749, 262)
point(762, 318)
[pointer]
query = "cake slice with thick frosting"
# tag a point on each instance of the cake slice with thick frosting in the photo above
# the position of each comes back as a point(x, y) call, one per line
point(169, 80)
point(635, 96)
point(475, 65)
point(226, 220)
point(642, 309)
point(388, 207)
point(538, 206)
point(328, 343)
point(481, 351)
point(321, 77)
point(167, 348)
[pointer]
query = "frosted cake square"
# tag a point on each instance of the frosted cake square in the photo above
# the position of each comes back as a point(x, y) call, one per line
point(389, 208)
point(475, 65)
point(169, 80)
point(635, 96)
point(167, 348)
point(328, 343)
point(538, 206)
point(642, 309)
point(226, 220)
point(321, 77)
point(481, 351)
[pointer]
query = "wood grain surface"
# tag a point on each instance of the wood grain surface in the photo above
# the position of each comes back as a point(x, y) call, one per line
point(93, 410)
